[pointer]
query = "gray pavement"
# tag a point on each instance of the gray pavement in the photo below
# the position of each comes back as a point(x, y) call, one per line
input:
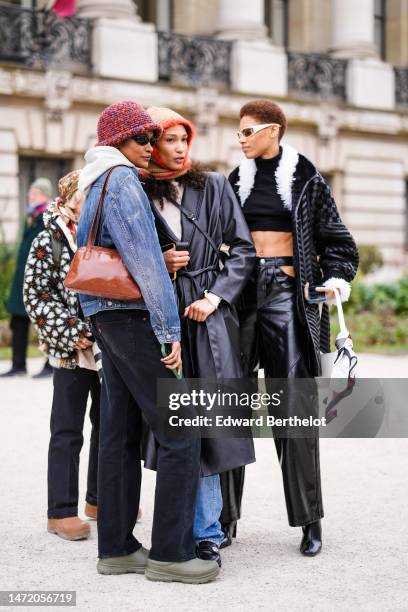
point(363, 565)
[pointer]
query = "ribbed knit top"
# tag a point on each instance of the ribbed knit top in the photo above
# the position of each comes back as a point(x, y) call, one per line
point(264, 209)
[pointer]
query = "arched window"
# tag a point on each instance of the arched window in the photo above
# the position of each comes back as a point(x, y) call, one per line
point(277, 21)
point(379, 27)
point(159, 12)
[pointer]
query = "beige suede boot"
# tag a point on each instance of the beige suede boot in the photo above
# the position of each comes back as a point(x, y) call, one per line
point(69, 528)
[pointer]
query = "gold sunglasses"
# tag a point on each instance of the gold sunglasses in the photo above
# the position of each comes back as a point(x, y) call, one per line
point(254, 129)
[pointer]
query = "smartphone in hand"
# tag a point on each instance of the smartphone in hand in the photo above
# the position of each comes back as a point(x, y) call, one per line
point(165, 351)
point(182, 246)
point(316, 296)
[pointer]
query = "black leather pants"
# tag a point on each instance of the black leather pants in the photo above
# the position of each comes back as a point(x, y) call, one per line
point(273, 338)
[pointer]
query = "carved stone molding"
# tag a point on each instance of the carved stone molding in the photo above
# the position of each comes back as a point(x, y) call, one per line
point(401, 85)
point(41, 39)
point(194, 60)
point(58, 95)
point(317, 75)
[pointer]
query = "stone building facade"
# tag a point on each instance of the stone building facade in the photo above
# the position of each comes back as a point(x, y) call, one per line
point(337, 67)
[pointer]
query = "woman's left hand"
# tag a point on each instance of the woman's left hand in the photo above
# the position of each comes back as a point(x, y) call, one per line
point(83, 341)
point(199, 310)
point(329, 292)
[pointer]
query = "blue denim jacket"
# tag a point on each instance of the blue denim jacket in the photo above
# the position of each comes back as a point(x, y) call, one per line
point(127, 224)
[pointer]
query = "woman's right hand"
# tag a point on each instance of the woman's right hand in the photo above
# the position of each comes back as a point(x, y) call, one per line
point(173, 360)
point(83, 342)
point(175, 260)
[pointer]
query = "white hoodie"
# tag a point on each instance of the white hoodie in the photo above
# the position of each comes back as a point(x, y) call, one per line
point(99, 160)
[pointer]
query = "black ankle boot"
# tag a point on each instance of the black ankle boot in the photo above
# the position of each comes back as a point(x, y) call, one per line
point(208, 551)
point(230, 531)
point(311, 543)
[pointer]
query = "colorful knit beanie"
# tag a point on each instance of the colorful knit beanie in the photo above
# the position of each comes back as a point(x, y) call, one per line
point(166, 118)
point(122, 120)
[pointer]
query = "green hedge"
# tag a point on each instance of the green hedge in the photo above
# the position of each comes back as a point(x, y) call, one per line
point(7, 267)
point(380, 298)
point(378, 314)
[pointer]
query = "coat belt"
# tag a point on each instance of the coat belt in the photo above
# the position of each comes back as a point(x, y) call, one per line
point(195, 273)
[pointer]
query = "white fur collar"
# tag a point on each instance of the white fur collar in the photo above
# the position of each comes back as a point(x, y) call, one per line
point(246, 178)
point(285, 174)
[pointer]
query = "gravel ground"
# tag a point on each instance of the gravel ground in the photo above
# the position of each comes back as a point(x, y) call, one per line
point(363, 564)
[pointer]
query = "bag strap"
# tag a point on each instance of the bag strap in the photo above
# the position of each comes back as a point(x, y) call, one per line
point(193, 220)
point(344, 332)
point(94, 231)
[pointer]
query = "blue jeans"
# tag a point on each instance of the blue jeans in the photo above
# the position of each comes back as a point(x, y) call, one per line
point(207, 511)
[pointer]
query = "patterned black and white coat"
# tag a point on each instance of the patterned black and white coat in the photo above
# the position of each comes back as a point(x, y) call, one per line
point(323, 248)
point(52, 308)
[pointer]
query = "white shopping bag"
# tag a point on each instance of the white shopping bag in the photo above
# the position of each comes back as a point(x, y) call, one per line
point(339, 367)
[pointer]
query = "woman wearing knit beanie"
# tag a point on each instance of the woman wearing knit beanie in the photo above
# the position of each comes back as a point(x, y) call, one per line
point(196, 212)
point(129, 334)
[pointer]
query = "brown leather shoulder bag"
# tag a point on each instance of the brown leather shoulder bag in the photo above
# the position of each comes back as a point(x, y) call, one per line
point(99, 271)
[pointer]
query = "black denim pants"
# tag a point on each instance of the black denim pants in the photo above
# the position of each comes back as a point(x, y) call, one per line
point(273, 336)
point(131, 366)
point(71, 391)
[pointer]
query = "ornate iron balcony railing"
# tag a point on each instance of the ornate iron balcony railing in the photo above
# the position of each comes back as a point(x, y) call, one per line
point(194, 60)
point(315, 75)
point(401, 85)
point(40, 39)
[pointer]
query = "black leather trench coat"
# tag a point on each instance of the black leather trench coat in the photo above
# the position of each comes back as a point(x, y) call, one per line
point(211, 349)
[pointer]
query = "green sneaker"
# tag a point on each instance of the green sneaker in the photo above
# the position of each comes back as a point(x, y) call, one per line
point(135, 563)
point(195, 571)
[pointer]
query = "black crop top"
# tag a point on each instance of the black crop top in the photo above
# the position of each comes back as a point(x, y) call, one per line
point(264, 209)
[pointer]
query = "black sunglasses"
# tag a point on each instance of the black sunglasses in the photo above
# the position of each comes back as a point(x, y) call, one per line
point(143, 139)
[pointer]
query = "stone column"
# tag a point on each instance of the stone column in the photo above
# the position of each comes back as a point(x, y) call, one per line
point(241, 20)
point(117, 9)
point(353, 28)
point(123, 47)
point(396, 36)
point(257, 66)
point(370, 81)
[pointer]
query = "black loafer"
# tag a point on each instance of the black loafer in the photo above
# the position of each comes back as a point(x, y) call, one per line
point(45, 372)
point(311, 543)
point(208, 551)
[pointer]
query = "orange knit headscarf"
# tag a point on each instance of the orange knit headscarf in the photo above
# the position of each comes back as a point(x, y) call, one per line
point(166, 118)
